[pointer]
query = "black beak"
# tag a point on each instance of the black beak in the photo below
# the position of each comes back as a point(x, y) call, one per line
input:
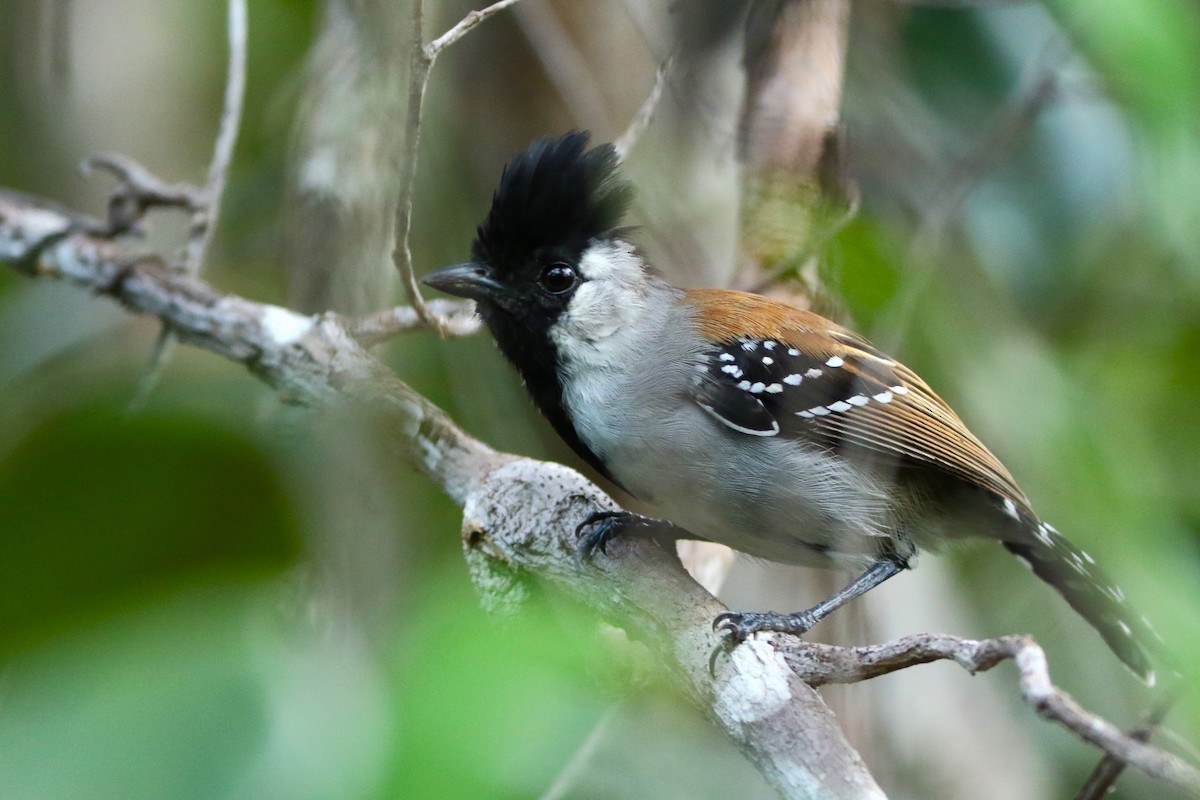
point(473, 281)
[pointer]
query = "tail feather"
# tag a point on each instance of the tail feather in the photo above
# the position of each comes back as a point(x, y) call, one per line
point(1074, 575)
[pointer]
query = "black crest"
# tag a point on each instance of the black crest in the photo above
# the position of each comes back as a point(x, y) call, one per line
point(556, 195)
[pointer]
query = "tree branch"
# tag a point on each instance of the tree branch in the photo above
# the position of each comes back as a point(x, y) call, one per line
point(420, 63)
point(519, 514)
point(464, 26)
point(519, 518)
point(206, 209)
point(458, 319)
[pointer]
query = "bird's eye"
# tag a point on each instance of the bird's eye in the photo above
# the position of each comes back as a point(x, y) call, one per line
point(558, 278)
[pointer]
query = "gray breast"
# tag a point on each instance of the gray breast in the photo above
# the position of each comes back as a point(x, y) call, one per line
point(775, 498)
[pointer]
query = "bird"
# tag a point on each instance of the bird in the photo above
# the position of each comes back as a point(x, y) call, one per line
point(741, 419)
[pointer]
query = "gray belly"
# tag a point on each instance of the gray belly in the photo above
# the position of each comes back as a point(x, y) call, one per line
point(772, 498)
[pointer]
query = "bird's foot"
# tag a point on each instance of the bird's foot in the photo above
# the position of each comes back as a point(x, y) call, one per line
point(601, 527)
point(736, 627)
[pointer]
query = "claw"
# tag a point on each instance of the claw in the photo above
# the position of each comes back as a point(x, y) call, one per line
point(717, 651)
point(601, 527)
point(595, 532)
point(735, 627)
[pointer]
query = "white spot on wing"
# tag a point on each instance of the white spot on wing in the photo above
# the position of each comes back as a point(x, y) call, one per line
point(1010, 508)
point(768, 345)
point(793, 351)
point(820, 411)
point(728, 357)
point(757, 387)
point(793, 380)
point(858, 400)
point(900, 389)
point(732, 369)
point(805, 414)
point(840, 406)
point(813, 373)
point(743, 385)
point(836, 361)
point(768, 361)
point(882, 397)
point(775, 388)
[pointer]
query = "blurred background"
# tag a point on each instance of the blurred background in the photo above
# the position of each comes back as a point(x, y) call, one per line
point(217, 596)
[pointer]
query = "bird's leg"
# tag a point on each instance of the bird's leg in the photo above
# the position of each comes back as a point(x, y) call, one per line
point(595, 532)
point(737, 626)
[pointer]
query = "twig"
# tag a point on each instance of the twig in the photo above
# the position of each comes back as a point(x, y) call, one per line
point(421, 61)
point(464, 25)
point(821, 664)
point(311, 359)
point(457, 316)
point(569, 776)
point(204, 219)
point(645, 114)
point(207, 209)
point(564, 66)
point(1110, 767)
point(137, 190)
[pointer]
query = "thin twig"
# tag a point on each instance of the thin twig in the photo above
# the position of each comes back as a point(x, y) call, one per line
point(820, 664)
point(420, 63)
point(161, 355)
point(204, 220)
point(645, 114)
point(137, 190)
point(565, 66)
point(458, 318)
point(1110, 767)
point(207, 210)
point(464, 25)
point(569, 776)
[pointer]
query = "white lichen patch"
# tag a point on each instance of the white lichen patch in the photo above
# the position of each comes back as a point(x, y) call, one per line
point(758, 684)
point(284, 326)
point(25, 231)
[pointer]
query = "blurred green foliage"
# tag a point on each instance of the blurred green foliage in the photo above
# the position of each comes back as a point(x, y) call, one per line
point(219, 599)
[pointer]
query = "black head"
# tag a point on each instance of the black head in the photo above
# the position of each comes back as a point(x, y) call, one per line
point(552, 202)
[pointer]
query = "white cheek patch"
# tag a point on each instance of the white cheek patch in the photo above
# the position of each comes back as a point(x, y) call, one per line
point(601, 320)
point(597, 311)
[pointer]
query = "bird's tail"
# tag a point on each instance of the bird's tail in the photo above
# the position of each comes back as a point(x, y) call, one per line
point(1074, 575)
